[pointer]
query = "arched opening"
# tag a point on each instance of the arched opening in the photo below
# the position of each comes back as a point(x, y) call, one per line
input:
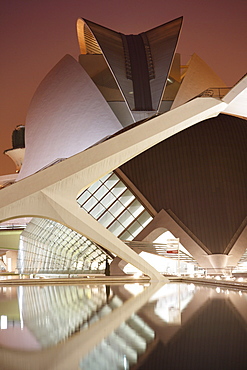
point(39, 246)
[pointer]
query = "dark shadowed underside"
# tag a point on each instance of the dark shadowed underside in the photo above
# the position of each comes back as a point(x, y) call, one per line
point(200, 177)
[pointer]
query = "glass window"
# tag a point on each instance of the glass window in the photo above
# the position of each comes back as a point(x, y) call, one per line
point(136, 208)
point(116, 228)
point(104, 178)
point(118, 189)
point(111, 181)
point(106, 219)
point(101, 192)
point(83, 197)
point(116, 208)
point(108, 200)
point(126, 198)
point(126, 236)
point(135, 228)
point(97, 211)
point(144, 219)
point(94, 186)
point(90, 204)
point(126, 218)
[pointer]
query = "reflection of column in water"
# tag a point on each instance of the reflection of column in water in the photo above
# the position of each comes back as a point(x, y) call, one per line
point(107, 268)
point(20, 303)
point(126, 365)
point(53, 313)
point(107, 291)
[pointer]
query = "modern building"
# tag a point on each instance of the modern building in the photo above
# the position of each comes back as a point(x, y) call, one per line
point(125, 147)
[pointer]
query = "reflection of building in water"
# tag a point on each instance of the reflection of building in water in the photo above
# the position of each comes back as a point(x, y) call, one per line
point(212, 333)
point(171, 301)
point(126, 330)
point(53, 313)
point(122, 348)
point(143, 143)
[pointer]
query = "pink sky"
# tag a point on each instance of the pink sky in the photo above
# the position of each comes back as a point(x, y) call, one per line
point(35, 35)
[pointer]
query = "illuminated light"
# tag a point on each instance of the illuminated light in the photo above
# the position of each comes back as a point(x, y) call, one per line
point(240, 293)
point(217, 290)
point(125, 363)
point(227, 292)
point(134, 289)
point(4, 322)
point(137, 275)
point(192, 275)
point(217, 277)
point(191, 287)
point(240, 279)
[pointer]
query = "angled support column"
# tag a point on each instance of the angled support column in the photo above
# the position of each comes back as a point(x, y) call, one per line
point(52, 193)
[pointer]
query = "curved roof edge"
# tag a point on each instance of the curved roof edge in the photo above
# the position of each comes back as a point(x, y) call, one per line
point(237, 98)
point(63, 117)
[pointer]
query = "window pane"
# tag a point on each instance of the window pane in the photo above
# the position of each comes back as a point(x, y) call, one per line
point(144, 219)
point(104, 178)
point(126, 198)
point(94, 186)
point(116, 228)
point(136, 208)
point(101, 192)
point(118, 189)
point(126, 218)
point(83, 197)
point(106, 219)
point(97, 211)
point(126, 236)
point(135, 229)
point(89, 204)
point(116, 208)
point(108, 200)
point(111, 181)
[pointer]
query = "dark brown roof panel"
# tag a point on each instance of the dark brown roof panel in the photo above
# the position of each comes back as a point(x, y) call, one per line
point(199, 174)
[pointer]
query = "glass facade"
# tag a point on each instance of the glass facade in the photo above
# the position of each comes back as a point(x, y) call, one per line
point(49, 247)
point(111, 203)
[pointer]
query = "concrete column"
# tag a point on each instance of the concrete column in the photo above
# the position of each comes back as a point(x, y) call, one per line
point(13, 260)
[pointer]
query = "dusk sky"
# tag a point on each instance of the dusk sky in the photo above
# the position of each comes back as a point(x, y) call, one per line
point(36, 34)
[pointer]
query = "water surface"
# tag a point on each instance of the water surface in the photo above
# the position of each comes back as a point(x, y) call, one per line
point(132, 326)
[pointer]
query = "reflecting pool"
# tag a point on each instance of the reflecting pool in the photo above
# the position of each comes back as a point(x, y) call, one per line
point(132, 326)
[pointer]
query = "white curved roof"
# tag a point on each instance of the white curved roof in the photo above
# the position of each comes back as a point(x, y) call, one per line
point(237, 99)
point(67, 115)
point(199, 77)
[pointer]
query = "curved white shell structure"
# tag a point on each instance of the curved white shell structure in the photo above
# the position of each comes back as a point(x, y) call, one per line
point(67, 115)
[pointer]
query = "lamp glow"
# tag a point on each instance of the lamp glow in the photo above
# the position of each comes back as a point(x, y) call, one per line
point(4, 322)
